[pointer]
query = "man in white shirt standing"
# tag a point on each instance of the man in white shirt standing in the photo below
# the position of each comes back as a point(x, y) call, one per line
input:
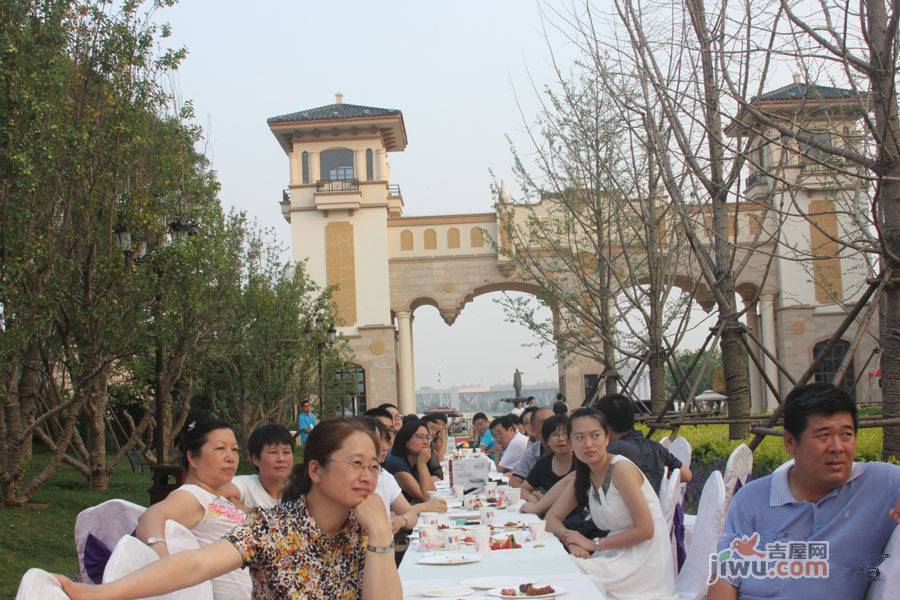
point(513, 443)
point(271, 449)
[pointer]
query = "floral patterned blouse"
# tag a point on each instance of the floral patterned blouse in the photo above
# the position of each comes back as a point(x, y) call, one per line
point(290, 558)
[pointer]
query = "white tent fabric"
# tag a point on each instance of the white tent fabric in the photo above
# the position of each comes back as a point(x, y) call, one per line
point(691, 581)
point(108, 522)
point(37, 584)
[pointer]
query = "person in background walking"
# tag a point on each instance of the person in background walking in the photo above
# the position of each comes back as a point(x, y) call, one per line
point(306, 421)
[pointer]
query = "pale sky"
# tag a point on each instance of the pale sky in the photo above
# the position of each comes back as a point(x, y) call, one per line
point(450, 67)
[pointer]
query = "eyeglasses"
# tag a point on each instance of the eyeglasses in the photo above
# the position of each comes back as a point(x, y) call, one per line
point(360, 467)
point(559, 434)
point(422, 436)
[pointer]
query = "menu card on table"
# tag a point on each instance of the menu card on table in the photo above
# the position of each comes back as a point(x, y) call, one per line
point(469, 473)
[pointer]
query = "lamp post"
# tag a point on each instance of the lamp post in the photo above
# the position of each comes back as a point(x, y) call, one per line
point(179, 231)
point(324, 333)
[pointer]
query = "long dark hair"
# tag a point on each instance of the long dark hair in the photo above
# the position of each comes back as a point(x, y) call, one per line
point(404, 435)
point(582, 471)
point(325, 439)
point(194, 435)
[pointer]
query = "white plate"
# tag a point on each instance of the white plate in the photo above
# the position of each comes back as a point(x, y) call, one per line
point(449, 592)
point(496, 592)
point(448, 558)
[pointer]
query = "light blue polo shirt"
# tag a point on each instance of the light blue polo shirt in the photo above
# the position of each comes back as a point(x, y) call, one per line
point(853, 519)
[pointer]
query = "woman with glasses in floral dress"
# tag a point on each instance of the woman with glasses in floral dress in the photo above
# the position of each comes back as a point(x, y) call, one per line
point(408, 461)
point(329, 538)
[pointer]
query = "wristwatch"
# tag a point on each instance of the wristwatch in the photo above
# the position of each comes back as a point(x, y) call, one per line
point(154, 540)
point(596, 541)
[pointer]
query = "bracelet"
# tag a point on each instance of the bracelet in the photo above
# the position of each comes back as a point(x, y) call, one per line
point(155, 540)
point(380, 549)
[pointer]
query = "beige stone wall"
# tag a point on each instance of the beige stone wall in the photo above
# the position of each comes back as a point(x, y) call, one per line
point(373, 350)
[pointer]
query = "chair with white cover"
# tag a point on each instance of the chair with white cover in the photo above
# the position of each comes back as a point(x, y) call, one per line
point(737, 470)
point(180, 539)
point(665, 442)
point(691, 581)
point(130, 555)
point(37, 584)
point(107, 522)
point(889, 571)
point(671, 496)
point(681, 449)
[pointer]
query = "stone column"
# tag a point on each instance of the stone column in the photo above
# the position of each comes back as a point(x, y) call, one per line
point(295, 167)
point(757, 390)
point(412, 355)
point(314, 174)
point(359, 165)
point(767, 315)
point(380, 171)
point(407, 391)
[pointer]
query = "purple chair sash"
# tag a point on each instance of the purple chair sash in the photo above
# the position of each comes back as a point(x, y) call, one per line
point(96, 555)
point(678, 529)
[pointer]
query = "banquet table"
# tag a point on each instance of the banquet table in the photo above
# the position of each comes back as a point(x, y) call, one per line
point(545, 564)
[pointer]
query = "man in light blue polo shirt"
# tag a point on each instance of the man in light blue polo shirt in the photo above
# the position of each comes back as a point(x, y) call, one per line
point(823, 507)
point(306, 421)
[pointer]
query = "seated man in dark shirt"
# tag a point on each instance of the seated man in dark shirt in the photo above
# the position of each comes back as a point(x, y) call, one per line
point(649, 456)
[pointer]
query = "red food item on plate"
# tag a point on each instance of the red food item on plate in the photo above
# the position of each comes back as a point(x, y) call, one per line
point(508, 592)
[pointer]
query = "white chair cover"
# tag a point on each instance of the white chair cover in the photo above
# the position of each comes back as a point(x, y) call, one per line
point(681, 449)
point(888, 584)
point(129, 555)
point(180, 539)
point(663, 482)
point(38, 584)
point(108, 522)
point(738, 468)
point(666, 442)
point(691, 581)
point(672, 496)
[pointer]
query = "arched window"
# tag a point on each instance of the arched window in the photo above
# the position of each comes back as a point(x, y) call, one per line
point(453, 237)
point(304, 166)
point(352, 378)
point(832, 363)
point(476, 237)
point(336, 164)
point(370, 166)
point(430, 239)
point(406, 240)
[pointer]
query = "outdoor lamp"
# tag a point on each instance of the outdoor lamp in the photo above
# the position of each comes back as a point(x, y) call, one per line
point(332, 332)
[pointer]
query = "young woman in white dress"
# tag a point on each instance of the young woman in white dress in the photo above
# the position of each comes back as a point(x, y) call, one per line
point(634, 561)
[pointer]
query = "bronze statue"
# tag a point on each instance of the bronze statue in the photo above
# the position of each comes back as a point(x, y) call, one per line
point(517, 383)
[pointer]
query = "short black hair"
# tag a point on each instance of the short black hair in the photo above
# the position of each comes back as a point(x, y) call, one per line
point(266, 435)
point(504, 421)
point(435, 417)
point(194, 435)
point(816, 399)
point(552, 424)
point(526, 414)
point(560, 407)
point(378, 412)
point(408, 430)
point(518, 402)
point(387, 405)
point(560, 397)
point(479, 416)
point(307, 401)
point(375, 426)
point(409, 417)
point(618, 410)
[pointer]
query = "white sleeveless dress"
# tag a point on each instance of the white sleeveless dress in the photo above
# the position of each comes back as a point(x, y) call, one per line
point(220, 516)
point(644, 571)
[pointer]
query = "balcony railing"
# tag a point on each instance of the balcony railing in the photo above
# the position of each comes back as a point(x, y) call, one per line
point(822, 164)
point(756, 179)
point(337, 185)
point(394, 190)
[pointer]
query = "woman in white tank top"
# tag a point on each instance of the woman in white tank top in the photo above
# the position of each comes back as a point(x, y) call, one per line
point(210, 458)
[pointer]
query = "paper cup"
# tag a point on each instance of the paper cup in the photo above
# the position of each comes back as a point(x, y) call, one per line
point(488, 515)
point(433, 494)
point(482, 537)
point(431, 518)
point(538, 531)
point(458, 492)
point(513, 495)
point(490, 486)
point(428, 537)
point(452, 539)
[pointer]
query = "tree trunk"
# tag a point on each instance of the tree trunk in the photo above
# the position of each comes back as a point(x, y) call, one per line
point(97, 403)
point(734, 367)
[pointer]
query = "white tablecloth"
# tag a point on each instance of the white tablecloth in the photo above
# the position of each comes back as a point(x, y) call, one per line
point(548, 564)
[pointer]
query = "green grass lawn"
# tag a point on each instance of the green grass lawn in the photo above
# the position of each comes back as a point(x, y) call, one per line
point(45, 537)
